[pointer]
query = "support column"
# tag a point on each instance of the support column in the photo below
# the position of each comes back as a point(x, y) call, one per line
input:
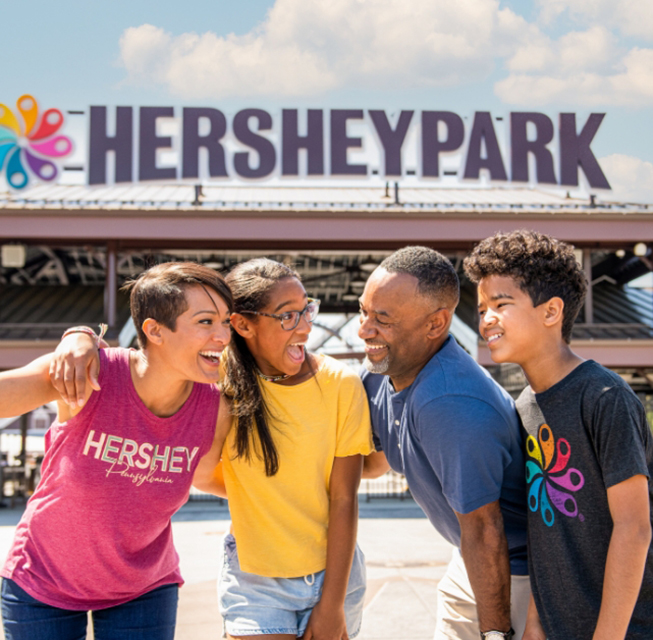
point(589, 299)
point(111, 286)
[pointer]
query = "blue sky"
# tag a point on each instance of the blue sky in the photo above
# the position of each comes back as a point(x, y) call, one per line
point(469, 55)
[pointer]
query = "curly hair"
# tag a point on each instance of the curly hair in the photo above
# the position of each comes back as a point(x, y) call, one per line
point(542, 266)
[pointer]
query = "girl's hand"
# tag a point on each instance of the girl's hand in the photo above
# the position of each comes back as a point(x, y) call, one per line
point(76, 363)
point(326, 624)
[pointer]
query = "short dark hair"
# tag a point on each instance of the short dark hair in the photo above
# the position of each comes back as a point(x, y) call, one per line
point(160, 293)
point(542, 266)
point(436, 276)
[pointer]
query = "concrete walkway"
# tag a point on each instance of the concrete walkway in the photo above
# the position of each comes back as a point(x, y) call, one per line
point(405, 559)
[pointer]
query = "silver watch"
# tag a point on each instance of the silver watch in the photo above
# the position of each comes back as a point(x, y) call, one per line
point(497, 635)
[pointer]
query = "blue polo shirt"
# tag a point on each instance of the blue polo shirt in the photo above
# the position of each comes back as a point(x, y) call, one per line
point(454, 433)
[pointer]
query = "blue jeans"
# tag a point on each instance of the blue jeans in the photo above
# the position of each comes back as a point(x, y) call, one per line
point(152, 616)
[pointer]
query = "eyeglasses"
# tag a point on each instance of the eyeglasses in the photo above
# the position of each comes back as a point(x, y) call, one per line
point(290, 319)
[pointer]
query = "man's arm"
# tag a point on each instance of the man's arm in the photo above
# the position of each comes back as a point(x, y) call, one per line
point(205, 477)
point(484, 549)
point(25, 389)
point(375, 465)
point(629, 544)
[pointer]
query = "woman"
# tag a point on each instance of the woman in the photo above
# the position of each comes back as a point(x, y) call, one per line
point(96, 534)
point(291, 465)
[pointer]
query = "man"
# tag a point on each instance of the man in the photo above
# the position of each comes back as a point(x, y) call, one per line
point(440, 419)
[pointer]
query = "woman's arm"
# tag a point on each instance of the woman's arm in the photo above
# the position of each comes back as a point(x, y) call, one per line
point(327, 621)
point(25, 389)
point(208, 474)
point(375, 465)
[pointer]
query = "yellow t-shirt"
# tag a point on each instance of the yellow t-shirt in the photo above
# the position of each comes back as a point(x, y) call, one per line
point(280, 522)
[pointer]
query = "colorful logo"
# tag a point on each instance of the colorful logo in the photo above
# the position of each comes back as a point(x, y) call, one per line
point(28, 144)
point(549, 483)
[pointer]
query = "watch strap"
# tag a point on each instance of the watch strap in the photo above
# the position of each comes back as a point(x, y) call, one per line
point(495, 634)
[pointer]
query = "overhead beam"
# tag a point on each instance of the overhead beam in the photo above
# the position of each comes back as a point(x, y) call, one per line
point(304, 229)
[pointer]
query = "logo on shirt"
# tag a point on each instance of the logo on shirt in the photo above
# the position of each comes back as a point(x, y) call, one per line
point(550, 484)
point(139, 462)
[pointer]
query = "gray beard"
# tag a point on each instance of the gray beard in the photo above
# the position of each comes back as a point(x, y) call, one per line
point(377, 367)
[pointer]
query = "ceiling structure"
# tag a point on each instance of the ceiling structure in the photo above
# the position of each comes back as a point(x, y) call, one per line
point(82, 243)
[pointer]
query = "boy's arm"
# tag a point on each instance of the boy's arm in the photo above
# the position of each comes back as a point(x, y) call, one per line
point(25, 389)
point(205, 477)
point(534, 629)
point(629, 544)
point(327, 619)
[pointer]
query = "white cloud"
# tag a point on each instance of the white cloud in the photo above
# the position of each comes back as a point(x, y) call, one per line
point(307, 47)
point(631, 17)
point(631, 179)
point(580, 68)
point(586, 51)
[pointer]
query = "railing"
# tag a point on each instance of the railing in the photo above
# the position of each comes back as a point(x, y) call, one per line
point(648, 405)
point(391, 485)
point(199, 496)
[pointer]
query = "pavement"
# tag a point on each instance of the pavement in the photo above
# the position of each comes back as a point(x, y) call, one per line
point(405, 560)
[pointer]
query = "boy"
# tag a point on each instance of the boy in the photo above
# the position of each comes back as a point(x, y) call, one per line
point(589, 449)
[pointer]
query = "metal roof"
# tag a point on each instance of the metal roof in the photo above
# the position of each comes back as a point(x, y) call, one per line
point(147, 196)
point(42, 312)
point(614, 304)
point(620, 313)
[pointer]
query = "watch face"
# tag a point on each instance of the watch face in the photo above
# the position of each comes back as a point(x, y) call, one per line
point(495, 635)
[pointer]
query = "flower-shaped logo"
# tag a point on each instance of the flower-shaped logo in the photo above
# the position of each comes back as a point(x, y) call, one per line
point(549, 483)
point(28, 144)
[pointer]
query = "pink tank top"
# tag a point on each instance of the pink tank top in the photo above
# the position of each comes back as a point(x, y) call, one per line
point(97, 533)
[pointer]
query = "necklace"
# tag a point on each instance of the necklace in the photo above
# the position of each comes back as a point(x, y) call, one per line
point(283, 376)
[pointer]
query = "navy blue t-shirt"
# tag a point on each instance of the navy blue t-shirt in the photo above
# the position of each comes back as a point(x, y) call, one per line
point(454, 433)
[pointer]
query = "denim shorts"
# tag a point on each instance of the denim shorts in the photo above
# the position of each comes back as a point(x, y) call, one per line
point(255, 605)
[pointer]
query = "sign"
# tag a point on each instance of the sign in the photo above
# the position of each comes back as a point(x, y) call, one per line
point(327, 153)
point(29, 144)
point(128, 144)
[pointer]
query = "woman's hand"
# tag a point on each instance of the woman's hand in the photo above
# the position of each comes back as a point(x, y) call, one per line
point(326, 623)
point(76, 362)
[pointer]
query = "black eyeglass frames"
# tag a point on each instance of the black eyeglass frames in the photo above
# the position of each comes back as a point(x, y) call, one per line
point(290, 319)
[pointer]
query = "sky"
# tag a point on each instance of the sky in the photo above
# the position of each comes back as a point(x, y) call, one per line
point(549, 56)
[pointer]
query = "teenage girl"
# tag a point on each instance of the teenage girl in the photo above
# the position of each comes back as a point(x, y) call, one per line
point(291, 465)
